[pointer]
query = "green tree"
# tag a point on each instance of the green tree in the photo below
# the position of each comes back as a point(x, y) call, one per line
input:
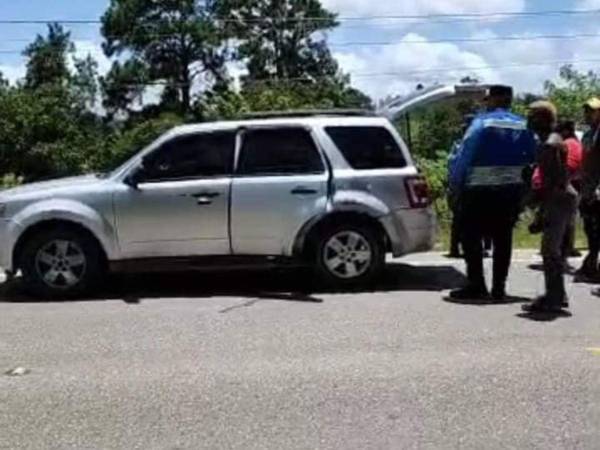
point(84, 82)
point(289, 64)
point(171, 42)
point(48, 58)
point(47, 126)
point(280, 96)
point(123, 144)
point(434, 129)
point(572, 90)
point(4, 84)
point(280, 38)
point(124, 85)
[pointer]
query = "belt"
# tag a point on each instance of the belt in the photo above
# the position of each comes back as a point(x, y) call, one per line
point(495, 176)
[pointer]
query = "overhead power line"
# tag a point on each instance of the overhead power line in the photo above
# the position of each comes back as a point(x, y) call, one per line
point(552, 37)
point(396, 17)
point(467, 40)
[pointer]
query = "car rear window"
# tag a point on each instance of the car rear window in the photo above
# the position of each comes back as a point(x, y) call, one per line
point(367, 147)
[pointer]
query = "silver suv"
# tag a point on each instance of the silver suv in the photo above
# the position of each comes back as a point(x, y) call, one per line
point(335, 192)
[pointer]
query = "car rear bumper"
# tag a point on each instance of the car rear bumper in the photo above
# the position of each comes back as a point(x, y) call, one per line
point(411, 230)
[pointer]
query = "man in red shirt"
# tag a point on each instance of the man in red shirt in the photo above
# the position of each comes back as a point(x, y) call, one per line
point(574, 166)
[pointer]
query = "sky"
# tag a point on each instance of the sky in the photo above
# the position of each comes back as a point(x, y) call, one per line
point(389, 56)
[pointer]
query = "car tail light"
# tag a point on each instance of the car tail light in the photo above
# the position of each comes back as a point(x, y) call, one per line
point(418, 192)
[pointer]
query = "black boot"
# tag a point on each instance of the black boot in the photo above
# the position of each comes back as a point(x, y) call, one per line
point(541, 305)
point(499, 293)
point(589, 269)
point(471, 292)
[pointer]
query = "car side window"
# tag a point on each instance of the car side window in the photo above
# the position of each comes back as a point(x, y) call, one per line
point(367, 148)
point(281, 151)
point(192, 156)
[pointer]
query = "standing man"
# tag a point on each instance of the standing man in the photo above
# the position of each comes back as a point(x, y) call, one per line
point(574, 166)
point(558, 205)
point(487, 177)
point(590, 182)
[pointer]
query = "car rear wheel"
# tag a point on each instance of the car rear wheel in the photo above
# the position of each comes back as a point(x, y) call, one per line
point(61, 262)
point(350, 255)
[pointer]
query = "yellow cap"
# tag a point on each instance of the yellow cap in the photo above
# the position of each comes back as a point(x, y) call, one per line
point(544, 105)
point(593, 103)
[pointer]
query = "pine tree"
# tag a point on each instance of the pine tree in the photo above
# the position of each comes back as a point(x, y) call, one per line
point(170, 42)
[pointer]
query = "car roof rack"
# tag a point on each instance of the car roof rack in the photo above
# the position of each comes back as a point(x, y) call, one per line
point(310, 113)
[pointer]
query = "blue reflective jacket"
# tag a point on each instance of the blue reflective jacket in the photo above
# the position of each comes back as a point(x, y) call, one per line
point(496, 148)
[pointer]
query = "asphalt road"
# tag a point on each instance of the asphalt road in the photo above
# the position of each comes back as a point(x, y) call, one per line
point(255, 361)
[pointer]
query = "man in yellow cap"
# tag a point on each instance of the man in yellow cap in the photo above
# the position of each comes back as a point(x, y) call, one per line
point(590, 184)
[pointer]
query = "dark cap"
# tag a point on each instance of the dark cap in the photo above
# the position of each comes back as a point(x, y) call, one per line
point(500, 91)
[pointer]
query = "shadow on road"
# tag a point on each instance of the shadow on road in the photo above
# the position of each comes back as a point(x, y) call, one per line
point(487, 302)
point(280, 285)
point(545, 316)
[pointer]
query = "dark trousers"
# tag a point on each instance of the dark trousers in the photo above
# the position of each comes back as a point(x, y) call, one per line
point(455, 234)
point(591, 225)
point(569, 239)
point(558, 212)
point(490, 212)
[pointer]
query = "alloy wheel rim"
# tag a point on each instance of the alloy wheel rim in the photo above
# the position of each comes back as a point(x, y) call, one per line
point(61, 264)
point(347, 255)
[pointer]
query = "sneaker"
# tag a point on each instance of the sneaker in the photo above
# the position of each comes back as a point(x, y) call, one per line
point(470, 293)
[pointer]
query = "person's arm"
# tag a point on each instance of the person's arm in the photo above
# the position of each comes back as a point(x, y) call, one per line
point(591, 178)
point(553, 166)
point(464, 156)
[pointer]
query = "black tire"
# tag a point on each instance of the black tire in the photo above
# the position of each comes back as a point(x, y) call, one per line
point(81, 244)
point(374, 267)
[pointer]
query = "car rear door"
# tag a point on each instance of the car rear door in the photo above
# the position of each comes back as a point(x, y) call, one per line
point(281, 182)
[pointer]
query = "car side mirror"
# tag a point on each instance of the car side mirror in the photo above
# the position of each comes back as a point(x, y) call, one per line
point(137, 175)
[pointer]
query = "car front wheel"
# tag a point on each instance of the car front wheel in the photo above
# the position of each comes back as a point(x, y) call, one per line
point(350, 255)
point(60, 262)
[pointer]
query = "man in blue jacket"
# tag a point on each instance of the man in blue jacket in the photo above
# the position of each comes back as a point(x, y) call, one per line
point(487, 177)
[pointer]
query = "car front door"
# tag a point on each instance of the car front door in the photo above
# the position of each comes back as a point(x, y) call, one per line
point(180, 206)
point(281, 182)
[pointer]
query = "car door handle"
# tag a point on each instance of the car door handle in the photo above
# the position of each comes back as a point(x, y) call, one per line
point(205, 195)
point(203, 201)
point(300, 190)
point(203, 198)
